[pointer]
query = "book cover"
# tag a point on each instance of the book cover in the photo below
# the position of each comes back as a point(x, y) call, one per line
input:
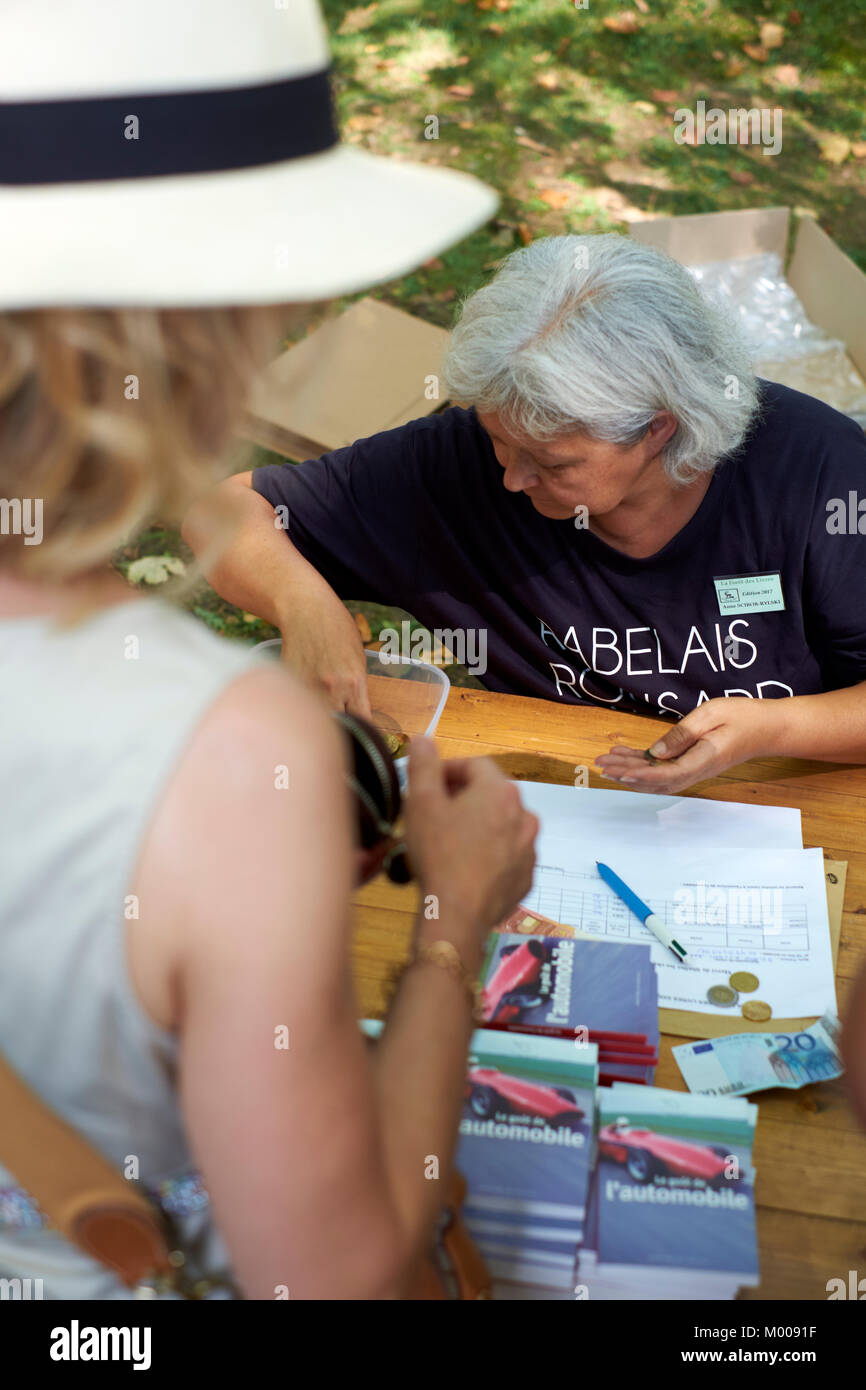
point(526, 1129)
point(568, 987)
point(675, 1184)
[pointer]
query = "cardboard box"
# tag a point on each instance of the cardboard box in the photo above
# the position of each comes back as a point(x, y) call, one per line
point(830, 286)
point(369, 369)
point(366, 370)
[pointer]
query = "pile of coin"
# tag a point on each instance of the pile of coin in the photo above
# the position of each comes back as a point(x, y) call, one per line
point(395, 740)
point(741, 982)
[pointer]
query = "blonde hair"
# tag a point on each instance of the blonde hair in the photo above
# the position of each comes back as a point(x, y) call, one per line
point(116, 417)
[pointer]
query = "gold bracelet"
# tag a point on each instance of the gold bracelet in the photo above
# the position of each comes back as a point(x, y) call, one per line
point(446, 956)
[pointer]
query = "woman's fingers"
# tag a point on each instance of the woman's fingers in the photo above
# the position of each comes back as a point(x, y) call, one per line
point(699, 761)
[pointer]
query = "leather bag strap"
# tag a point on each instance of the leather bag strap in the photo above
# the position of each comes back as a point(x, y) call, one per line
point(77, 1189)
point(109, 1219)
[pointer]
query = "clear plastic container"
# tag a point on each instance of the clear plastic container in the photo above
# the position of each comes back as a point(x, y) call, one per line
point(407, 696)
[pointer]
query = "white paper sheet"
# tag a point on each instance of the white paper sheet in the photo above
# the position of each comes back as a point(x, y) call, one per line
point(596, 821)
point(758, 910)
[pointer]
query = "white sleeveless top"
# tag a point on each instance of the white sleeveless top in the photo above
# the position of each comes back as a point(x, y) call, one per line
point(93, 720)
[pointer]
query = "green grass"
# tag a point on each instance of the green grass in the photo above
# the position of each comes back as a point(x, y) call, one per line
point(545, 72)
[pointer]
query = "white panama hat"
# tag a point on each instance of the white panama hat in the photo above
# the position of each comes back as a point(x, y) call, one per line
point(184, 152)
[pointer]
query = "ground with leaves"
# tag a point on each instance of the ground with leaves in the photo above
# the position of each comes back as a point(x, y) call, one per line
point(567, 109)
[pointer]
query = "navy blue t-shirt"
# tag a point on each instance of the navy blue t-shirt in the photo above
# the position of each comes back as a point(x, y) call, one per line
point(762, 593)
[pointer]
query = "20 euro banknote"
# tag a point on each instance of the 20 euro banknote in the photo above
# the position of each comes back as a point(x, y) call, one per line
point(746, 1062)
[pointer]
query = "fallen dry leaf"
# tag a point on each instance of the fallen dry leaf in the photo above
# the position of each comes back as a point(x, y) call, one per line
point(772, 35)
point(642, 6)
point(787, 74)
point(462, 90)
point(613, 202)
point(718, 55)
point(858, 149)
point(555, 197)
point(524, 233)
point(757, 52)
point(734, 67)
point(497, 30)
point(794, 17)
point(664, 95)
point(363, 627)
point(362, 122)
point(626, 22)
point(645, 106)
point(356, 20)
point(154, 569)
point(549, 81)
point(529, 144)
point(835, 149)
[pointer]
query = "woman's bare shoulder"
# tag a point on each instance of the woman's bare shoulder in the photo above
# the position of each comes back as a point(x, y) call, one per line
point(253, 821)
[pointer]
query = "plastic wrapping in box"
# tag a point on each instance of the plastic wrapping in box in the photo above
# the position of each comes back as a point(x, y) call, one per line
point(785, 345)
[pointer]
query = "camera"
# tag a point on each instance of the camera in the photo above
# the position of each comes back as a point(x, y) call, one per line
point(375, 788)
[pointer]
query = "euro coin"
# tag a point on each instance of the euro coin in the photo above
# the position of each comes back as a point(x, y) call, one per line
point(743, 981)
point(757, 1011)
point(722, 995)
point(392, 735)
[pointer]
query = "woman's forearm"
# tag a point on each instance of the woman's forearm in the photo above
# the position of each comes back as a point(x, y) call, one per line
point(420, 1078)
point(255, 566)
point(830, 727)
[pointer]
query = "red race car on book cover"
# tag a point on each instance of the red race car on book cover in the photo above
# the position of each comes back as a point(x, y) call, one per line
point(516, 983)
point(647, 1155)
point(489, 1090)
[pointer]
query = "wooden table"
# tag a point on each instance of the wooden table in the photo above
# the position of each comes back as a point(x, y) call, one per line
point(810, 1153)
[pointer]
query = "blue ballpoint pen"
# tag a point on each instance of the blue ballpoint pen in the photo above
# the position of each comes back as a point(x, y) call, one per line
point(640, 909)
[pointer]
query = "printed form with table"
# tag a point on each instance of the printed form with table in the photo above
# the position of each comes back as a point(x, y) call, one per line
point(735, 907)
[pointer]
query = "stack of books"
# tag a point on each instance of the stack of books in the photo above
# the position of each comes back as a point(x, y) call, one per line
point(525, 1150)
point(672, 1203)
point(590, 991)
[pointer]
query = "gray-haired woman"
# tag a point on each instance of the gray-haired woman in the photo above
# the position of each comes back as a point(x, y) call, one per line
point(625, 516)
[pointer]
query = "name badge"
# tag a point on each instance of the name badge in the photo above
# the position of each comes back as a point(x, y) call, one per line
point(750, 593)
